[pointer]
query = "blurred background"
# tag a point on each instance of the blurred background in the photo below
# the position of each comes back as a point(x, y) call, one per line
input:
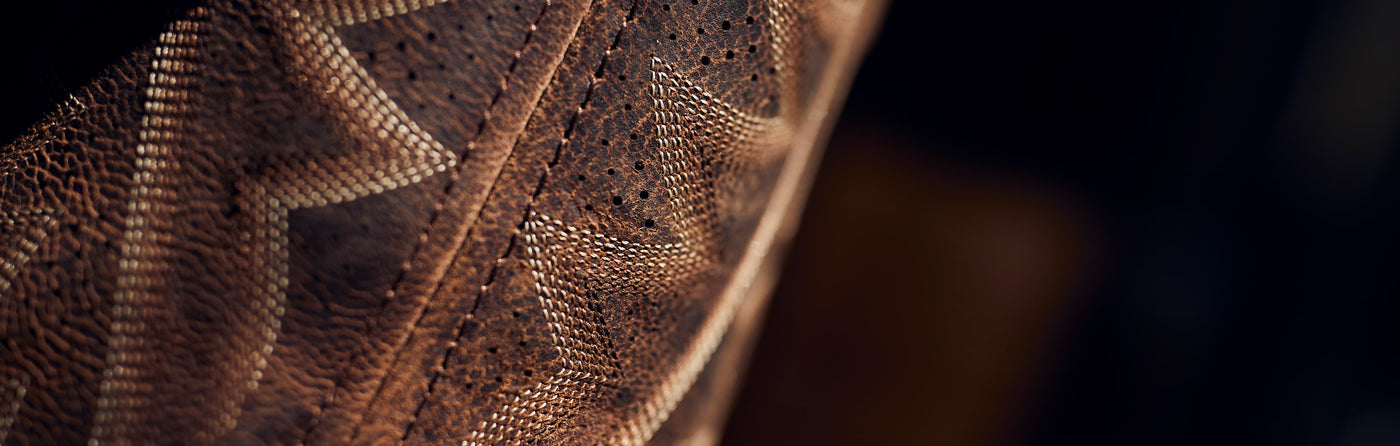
point(1076, 222)
point(1099, 222)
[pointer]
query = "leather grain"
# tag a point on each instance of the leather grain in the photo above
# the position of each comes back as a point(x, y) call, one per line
point(422, 222)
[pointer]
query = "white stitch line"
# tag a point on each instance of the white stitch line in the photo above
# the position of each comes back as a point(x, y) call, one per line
point(791, 184)
point(359, 12)
point(578, 340)
point(744, 140)
point(680, 107)
point(172, 70)
point(398, 154)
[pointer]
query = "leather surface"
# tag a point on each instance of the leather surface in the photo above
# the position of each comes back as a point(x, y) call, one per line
point(350, 222)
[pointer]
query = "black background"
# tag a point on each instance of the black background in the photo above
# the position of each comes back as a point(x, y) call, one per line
point(1238, 286)
point(1207, 185)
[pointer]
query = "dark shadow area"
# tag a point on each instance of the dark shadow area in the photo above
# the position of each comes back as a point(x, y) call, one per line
point(1094, 222)
point(53, 48)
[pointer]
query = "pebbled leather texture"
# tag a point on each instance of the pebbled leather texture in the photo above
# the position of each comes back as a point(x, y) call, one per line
point(414, 222)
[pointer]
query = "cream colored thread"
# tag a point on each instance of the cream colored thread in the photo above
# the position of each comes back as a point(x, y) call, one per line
point(790, 184)
point(743, 141)
point(780, 24)
point(399, 154)
point(577, 339)
point(172, 70)
point(360, 11)
point(679, 107)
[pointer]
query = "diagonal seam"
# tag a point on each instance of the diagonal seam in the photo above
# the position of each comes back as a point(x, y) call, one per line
point(376, 322)
point(491, 276)
point(457, 252)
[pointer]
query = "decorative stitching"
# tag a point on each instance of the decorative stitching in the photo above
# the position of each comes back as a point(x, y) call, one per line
point(173, 71)
point(682, 110)
point(377, 320)
point(456, 253)
point(491, 276)
point(360, 12)
point(399, 154)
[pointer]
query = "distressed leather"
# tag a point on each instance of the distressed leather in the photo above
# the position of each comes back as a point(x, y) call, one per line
point(414, 222)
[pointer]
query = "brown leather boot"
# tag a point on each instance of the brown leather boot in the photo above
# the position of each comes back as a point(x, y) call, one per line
point(418, 222)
